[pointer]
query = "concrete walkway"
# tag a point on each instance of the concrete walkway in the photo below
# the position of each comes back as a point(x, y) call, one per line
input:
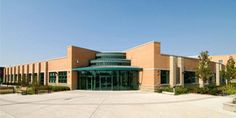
point(113, 104)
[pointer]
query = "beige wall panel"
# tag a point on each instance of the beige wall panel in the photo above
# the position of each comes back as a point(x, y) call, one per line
point(162, 61)
point(224, 58)
point(58, 64)
point(190, 64)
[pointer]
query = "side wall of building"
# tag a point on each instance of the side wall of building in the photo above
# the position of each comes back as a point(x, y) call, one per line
point(75, 57)
point(143, 56)
point(79, 57)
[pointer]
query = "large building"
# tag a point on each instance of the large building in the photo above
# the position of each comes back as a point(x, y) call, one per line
point(142, 67)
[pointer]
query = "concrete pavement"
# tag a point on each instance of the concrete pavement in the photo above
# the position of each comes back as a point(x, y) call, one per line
point(113, 104)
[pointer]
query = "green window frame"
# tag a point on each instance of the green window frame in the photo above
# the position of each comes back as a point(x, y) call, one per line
point(52, 77)
point(29, 77)
point(15, 78)
point(165, 76)
point(189, 77)
point(62, 77)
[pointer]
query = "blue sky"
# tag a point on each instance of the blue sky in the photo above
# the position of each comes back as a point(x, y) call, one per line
point(33, 30)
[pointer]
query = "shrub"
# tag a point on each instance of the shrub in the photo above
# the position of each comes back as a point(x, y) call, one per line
point(234, 101)
point(30, 91)
point(164, 88)
point(229, 89)
point(58, 88)
point(6, 90)
point(181, 90)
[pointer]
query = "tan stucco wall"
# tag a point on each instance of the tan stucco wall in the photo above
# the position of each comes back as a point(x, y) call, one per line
point(78, 57)
point(224, 58)
point(55, 65)
point(144, 56)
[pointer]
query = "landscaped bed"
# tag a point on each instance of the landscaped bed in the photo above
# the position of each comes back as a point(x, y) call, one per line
point(209, 89)
point(6, 90)
point(230, 106)
point(41, 89)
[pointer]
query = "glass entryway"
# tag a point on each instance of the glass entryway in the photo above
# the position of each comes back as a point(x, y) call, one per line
point(108, 80)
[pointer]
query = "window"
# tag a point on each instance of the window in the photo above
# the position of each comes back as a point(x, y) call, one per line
point(62, 77)
point(29, 77)
point(189, 77)
point(41, 79)
point(52, 77)
point(11, 77)
point(221, 61)
point(15, 77)
point(164, 76)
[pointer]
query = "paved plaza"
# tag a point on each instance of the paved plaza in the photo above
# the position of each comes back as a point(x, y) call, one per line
point(113, 104)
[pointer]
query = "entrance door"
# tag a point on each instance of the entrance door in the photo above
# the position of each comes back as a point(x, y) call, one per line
point(106, 82)
point(89, 83)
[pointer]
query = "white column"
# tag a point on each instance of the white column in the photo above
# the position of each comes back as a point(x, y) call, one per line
point(172, 71)
point(38, 72)
point(181, 70)
point(45, 73)
point(218, 69)
point(32, 76)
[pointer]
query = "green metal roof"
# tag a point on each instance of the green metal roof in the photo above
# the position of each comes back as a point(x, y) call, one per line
point(91, 68)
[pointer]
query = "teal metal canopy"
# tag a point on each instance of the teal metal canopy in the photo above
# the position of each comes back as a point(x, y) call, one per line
point(108, 68)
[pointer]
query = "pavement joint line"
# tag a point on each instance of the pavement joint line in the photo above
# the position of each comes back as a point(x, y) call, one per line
point(98, 106)
point(8, 114)
point(138, 103)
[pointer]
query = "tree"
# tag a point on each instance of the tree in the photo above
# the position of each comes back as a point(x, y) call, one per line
point(35, 85)
point(23, 81)
point(229, 72)
point(203, 70)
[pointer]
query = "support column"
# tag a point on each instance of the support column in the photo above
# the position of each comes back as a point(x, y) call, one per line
point(181, 70)
point(18, 72)
point(57, 77)
point(22, 73)
point(7, 75)
point(46, 73)
point(4, 75)
point(172, 71)
point(218, 69)
point(32, 75)
point(38, 72)
point(14, 74)
point(201, 83)
point(11, 77)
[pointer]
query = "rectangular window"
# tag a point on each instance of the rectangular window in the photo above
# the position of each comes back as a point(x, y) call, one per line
point(41, 79)
point(29, 77)
point(52, 77)
point(178, 75)
point(165, 76)
point(62, 77)
point(15, 77)
point(11, 77)
point(189, 77)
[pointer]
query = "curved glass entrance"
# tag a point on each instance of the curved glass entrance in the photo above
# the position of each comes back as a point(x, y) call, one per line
point(108, 80)
point(109, 71)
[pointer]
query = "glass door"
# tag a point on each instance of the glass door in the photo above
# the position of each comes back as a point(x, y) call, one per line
point(106, 82)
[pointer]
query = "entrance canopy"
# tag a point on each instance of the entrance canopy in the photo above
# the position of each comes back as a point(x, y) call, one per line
point(108, 68)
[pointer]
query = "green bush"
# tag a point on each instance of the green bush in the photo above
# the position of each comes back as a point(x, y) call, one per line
point(234, 101)
point(229, 89)
point(181, 90)
point(30, 91)
point(58, 88)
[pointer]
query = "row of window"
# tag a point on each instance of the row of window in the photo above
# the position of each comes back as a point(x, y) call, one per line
point(62, 77)
point(189, 77)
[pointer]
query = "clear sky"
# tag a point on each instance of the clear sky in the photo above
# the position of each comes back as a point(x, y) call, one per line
point(33, 30)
